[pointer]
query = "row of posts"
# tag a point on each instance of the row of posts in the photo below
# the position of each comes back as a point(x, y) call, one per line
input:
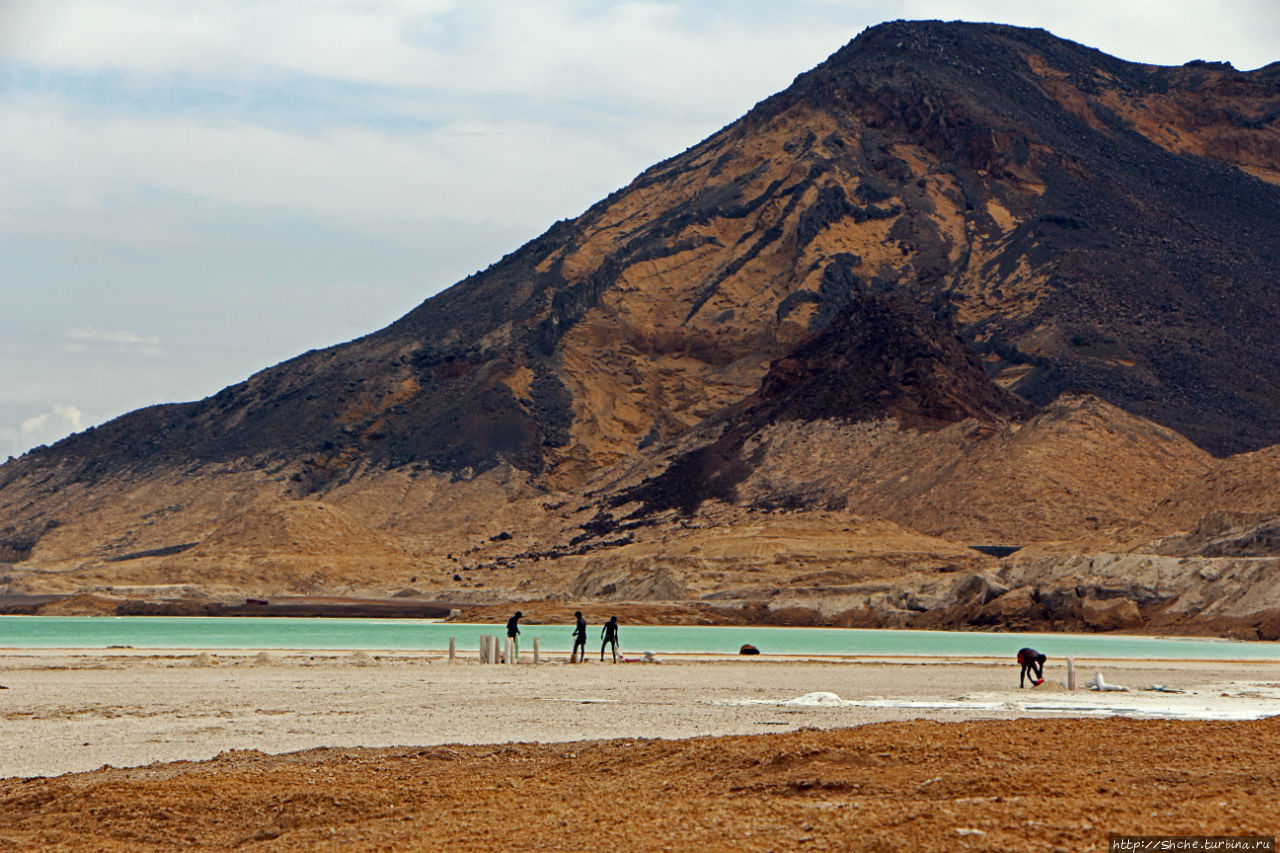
point(489, 650)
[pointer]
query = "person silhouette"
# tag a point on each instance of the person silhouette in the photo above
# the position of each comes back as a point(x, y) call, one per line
point(1032, 664)
point(513, 631)
point(580, 639)
point(609, 633)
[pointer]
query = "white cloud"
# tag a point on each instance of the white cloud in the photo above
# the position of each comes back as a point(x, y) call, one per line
point(337, 37)
point(89, 333)
point(67, 413)
point(60, 420)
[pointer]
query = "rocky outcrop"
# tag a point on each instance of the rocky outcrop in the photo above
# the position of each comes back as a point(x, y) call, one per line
point(1110, 614)
point(1238, 596)
point(1100, 592)
point(612, 582)
point(1226, 534)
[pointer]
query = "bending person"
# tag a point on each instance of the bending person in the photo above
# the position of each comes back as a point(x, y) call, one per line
point(1032, 664)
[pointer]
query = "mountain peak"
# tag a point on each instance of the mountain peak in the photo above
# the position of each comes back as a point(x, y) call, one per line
point(974, 44)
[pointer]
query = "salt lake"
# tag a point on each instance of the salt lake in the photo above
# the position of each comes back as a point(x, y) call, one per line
point(194, 632)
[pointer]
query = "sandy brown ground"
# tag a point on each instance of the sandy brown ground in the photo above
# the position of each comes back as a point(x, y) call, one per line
point(945, 783)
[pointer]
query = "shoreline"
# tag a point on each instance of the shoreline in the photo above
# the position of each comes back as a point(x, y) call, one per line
point(737, 613)
point(558, 657)
point(70, 711)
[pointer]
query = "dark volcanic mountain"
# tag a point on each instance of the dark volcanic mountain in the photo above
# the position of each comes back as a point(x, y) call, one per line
point(1087, 224)
point(934, 209)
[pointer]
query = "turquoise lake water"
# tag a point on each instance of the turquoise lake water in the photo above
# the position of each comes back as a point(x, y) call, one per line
point(194, 632)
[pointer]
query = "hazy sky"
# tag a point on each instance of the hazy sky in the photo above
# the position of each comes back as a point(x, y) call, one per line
point(193, 191)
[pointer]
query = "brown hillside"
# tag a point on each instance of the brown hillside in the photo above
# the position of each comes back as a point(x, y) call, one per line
point(922, 784)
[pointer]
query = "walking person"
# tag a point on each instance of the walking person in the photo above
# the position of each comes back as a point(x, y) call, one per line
point(579, 653)
point(513, 631)
point(609, 633)
point(1032, 664)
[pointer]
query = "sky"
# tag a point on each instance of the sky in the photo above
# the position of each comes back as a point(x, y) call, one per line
point(193, 191)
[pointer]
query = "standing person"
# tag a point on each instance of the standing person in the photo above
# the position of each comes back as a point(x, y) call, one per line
point(580, 639)
point(513, 631)
point(609, 633)
point(1032, 664)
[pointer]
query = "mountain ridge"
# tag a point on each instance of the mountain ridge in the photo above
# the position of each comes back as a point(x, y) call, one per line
point(431, 340)
point(1070, 226)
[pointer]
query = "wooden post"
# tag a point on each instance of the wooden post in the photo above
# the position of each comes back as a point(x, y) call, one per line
point(1071, 673)
point(488, 648)
point(535, 649)
point(510, 651)
point(453, 648)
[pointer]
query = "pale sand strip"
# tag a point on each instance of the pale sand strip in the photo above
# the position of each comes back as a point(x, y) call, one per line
point(78, 710)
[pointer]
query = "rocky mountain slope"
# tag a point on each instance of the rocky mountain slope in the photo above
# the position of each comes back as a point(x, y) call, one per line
point(958, 285)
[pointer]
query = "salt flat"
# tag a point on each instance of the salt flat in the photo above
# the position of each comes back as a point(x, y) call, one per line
point(79, 710)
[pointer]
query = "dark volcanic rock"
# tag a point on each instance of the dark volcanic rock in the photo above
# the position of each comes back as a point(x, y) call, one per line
point(880, 358)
